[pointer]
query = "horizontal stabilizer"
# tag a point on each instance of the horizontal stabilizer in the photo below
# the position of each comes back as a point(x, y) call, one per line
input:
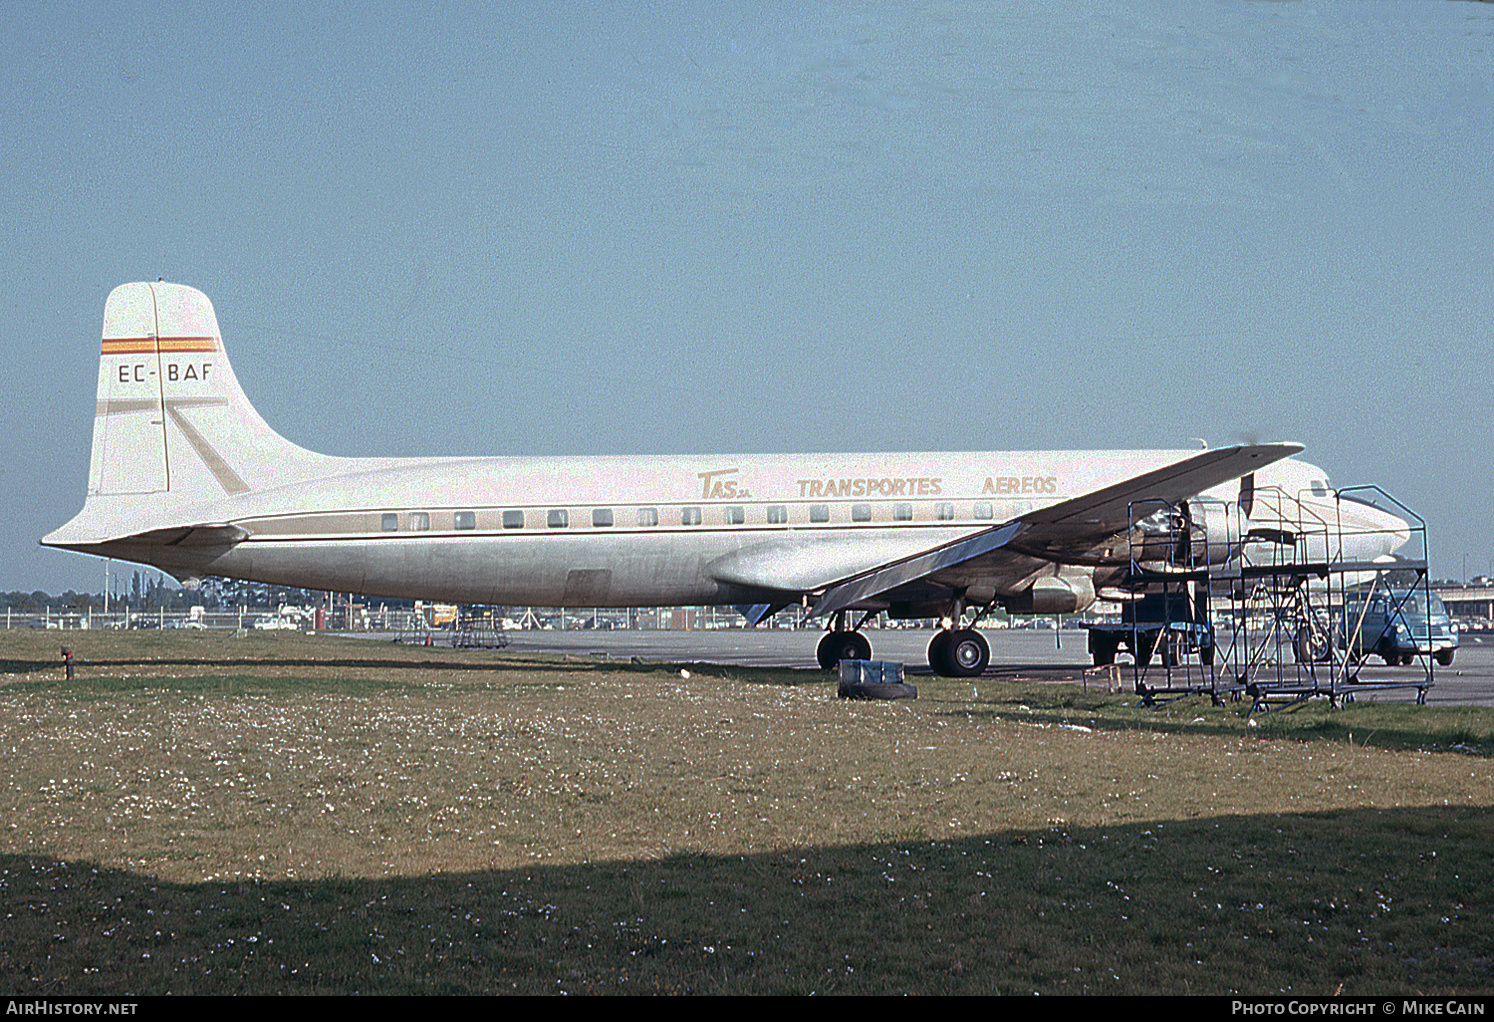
point(193, 536)
point(208, 537)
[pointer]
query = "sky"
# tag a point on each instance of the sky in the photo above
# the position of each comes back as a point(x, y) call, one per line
point(641, 228)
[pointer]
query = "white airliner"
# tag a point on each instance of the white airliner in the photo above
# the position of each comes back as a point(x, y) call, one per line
point(187, 477)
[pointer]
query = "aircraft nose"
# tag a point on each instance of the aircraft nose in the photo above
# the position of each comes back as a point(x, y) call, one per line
point(1385, 531)
point(1398, 531)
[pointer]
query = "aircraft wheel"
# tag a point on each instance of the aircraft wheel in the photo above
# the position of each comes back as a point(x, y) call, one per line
point(1310, 647)
point(939, 653)
point(966, 654)
point(962, 653)
point(1145, 643)
point(838, 646)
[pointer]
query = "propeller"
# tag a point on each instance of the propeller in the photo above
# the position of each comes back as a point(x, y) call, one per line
point(1183, 541)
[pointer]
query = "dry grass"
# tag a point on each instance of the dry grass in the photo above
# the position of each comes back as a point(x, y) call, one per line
point(322, 814)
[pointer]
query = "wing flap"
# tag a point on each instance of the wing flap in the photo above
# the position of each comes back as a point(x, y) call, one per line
point(808, 561)
point(911, 569)
point(757, 613)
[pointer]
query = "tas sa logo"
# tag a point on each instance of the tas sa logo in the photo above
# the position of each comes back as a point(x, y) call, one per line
point(718, 485)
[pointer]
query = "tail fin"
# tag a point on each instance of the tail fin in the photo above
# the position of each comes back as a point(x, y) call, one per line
point(172, 426)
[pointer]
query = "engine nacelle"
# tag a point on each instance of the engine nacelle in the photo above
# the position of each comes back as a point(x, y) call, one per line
point(1218, 531)
point(1197, 534)
point(1053, 595)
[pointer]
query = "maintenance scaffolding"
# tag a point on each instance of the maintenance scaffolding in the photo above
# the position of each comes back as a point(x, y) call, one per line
point(479, 628)
point(1278, 612)
point(472, 627)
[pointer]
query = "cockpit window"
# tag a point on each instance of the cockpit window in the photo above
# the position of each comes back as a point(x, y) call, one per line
point(1319, 487)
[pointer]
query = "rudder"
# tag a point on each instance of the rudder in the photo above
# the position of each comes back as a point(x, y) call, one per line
point(171, 417)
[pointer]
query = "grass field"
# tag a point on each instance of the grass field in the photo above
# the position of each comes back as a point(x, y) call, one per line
point(198, 813)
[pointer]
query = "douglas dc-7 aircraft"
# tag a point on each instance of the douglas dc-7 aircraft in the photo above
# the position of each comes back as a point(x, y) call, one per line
point(187, 477)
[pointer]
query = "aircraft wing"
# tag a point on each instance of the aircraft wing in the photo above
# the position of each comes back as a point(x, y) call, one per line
point(1104, 512)
point(1011, 550)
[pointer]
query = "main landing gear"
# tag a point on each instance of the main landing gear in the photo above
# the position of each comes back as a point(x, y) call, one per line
point(838, 645)
point(842, 643)
point(959, 653)
point(953, 653)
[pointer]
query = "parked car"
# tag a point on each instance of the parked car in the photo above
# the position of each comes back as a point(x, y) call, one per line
point(1396, 625)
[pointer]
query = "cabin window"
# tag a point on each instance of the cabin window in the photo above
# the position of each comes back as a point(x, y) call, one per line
point(390, 522)
point(819, 512)
point(648, 517)
point(944, 511)
point(983, 509)
point(777, 515)
point(902, 512)
point(420, 521)
point(513, 519)
point(732, 515)
point(601, 518)
point(466, 520)
point(690, 516)
point(860, 512)
point(557, 519)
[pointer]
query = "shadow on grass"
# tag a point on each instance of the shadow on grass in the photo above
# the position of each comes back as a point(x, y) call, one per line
point(102, 665)
point(30, 666)
point(1404, 726)
point(102, 673)
point(1357, 902)
point(85, 688)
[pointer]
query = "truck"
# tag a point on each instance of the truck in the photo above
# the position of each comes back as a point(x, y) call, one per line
point(1169, 621)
